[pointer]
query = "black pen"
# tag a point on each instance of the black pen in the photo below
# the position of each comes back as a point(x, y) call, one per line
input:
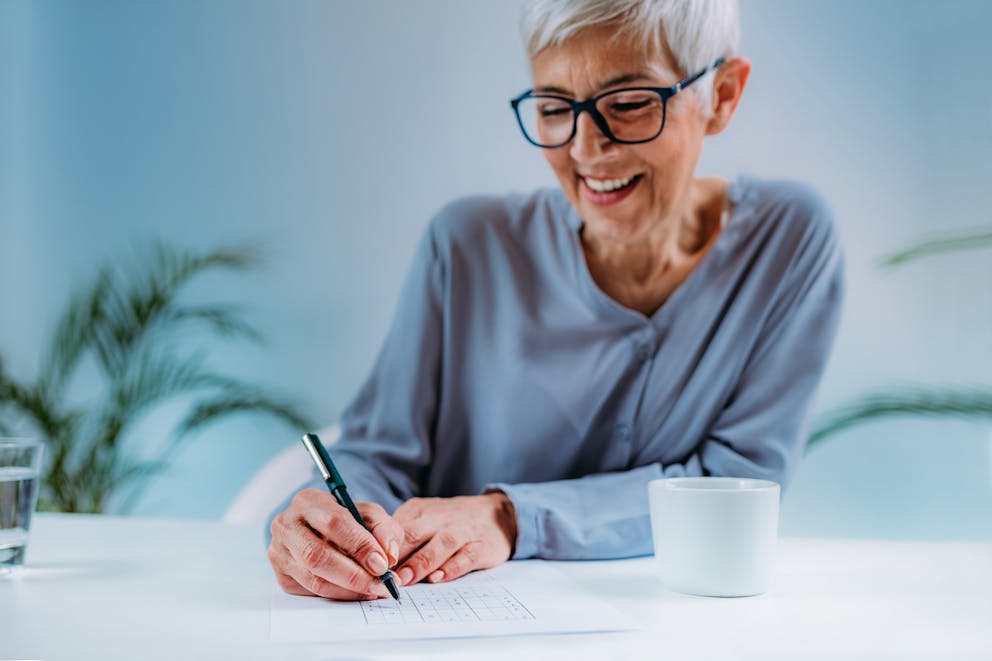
point(332, 478)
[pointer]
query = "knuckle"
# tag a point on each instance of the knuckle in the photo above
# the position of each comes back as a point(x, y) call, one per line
point(302, 498)
point(339, 524)
point(371, 510)
point(316, 584)
point(315, 494)
point(382, 527)
point(423, 561)
point(454, 567)
point(287, 583)
point(278, 525)
point(354, 541)
point(272, 554)
point(358, 580)
point(363, 547)
point(447, 539)
point(332, 520)
point(416, 505)
point(313, 555)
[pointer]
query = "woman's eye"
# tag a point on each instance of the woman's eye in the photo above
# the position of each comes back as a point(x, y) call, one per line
point(554, 111)
point(629, 106)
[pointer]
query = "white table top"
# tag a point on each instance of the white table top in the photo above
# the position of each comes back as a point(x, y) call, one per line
point(113, 588)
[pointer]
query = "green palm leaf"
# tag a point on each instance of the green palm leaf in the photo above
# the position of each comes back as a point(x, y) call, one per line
point(969, 241)
point(927, 402)
point(73, 333)
point(239, 401)
point(157, 374)
point(241, 398)
point(131, 323)
point(225, 320)
point(930, 402)
point(126, 304)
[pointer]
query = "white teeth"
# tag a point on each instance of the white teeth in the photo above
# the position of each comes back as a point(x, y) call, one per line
point(606, 185)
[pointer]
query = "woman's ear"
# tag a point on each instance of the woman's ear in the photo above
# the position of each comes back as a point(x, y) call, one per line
point(728, 86)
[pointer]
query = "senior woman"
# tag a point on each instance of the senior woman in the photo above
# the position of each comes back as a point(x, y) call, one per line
point(553, 352)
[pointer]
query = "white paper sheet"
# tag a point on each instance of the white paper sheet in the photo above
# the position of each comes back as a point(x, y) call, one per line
point(516, 598)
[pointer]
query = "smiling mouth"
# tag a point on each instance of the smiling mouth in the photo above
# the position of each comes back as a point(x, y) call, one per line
point(610, 185)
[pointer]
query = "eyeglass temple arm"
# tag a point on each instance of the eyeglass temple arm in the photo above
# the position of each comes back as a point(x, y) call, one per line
point(682, 84)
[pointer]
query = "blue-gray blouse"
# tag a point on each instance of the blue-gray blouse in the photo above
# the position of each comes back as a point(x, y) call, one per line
point(506, 368)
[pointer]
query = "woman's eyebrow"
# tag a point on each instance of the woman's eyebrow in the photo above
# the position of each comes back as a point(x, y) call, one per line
point(612, 82)
point(624, 79)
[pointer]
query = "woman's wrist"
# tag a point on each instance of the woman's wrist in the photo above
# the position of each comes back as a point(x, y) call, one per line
point(505, 516)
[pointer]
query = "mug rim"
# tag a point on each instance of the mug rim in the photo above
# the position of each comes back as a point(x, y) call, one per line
point(722, 484)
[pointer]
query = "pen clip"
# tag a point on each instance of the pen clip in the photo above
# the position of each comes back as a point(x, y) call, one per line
point(312, 443)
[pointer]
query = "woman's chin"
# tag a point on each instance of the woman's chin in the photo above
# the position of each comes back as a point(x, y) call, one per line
point(611, 227)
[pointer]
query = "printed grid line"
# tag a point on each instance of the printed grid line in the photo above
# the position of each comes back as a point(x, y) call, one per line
point(482, 600)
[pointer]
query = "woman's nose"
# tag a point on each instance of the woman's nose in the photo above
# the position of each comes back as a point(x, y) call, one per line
point(589, 140)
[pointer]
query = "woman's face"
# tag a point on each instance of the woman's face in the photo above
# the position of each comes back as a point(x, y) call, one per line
point(659, 171)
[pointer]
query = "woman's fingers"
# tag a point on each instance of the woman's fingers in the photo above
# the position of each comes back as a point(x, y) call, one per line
point(320, 562)
point(333, 522)
point(419, 519)
point(429, 558)
point(384, 528)
point(293, 578)
point(290, 586)
point(449, 537)
point(326, 552)
point(467, 559)
point(323, 567)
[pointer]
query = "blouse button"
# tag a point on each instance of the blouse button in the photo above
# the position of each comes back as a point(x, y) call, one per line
point(643, 353)
point(622, 432)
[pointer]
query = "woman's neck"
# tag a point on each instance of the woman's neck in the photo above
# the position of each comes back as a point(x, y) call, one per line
point(641, 274)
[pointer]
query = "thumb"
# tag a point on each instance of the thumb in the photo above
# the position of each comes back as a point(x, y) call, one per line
point(384, 528)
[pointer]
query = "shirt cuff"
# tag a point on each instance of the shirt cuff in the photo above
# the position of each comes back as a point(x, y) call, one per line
point(528, 529)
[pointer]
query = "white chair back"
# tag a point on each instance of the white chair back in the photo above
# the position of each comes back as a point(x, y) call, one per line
point(275, 481)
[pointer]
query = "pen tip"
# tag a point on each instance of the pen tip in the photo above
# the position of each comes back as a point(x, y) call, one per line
point(387, 580)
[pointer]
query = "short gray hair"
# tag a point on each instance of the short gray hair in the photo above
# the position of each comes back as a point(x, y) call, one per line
point(695, 32)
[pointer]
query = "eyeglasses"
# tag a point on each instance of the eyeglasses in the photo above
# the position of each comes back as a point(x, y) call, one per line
point(630, 116)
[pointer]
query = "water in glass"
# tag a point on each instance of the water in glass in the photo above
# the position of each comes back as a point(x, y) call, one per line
point(18, 493)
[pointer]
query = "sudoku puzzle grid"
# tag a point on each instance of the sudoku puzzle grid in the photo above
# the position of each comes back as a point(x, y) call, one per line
point(478, 601)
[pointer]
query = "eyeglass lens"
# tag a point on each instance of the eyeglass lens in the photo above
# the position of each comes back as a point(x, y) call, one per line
point(632, 115)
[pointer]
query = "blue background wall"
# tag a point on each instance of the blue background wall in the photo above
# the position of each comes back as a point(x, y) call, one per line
point(330, 132)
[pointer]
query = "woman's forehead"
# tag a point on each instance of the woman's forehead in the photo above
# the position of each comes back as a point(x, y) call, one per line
point(595, 59)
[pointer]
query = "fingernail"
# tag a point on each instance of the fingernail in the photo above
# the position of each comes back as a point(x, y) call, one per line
point(406, 575)
point(398, 580)
point(394, 552)
point(436, 576)
point(377, 564)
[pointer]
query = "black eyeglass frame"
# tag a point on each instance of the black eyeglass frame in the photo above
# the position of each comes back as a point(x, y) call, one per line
point(589, 105)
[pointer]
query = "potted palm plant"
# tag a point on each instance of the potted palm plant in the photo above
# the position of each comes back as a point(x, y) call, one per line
point(148, 347)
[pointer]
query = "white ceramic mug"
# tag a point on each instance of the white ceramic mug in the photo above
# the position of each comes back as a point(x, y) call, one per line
point(714, 536)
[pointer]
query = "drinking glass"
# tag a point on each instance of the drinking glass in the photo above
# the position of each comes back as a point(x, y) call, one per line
point(20, 468)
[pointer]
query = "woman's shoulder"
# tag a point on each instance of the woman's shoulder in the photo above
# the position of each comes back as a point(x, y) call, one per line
point(788, 208)
point(509, 216)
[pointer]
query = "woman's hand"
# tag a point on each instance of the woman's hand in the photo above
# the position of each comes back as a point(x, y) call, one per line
point(448, 537)
point(318, 549)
